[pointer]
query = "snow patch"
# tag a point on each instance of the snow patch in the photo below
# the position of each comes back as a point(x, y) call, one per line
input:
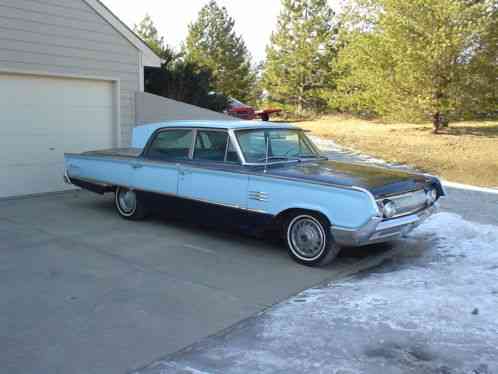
point(340, 153)
point(469, 187)
point(449, 295)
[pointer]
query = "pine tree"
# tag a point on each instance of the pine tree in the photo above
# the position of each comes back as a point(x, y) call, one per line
point(212, 43)
point(300, 59)
point(147, 30)
point(420, 59)
point(176, 78)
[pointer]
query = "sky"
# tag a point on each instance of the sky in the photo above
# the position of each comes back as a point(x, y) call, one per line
point(254, 19)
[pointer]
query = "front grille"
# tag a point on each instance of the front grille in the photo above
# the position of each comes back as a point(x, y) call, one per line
point(409, 203)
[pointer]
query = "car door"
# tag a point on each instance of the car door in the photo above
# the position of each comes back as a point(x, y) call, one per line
point(213, 175)
point(158, 171)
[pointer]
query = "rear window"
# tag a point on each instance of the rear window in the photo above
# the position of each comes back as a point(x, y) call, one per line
point(171, 145)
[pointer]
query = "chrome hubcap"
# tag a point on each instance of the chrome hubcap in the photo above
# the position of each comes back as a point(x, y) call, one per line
point(127, 201)
point(307, 237)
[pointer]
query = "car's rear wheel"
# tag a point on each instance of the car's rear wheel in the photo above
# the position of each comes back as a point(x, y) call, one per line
point(309, 240)
point(129, 204)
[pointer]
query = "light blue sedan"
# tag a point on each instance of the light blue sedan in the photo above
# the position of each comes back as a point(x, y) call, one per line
point(257, 174)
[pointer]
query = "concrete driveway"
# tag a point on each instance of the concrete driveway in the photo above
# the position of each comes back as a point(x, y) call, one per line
point(84, 291)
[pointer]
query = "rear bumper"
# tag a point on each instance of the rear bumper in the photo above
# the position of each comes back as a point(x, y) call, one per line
point(87, 184)
point(378, 231)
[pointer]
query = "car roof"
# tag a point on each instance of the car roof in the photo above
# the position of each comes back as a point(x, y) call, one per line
point(221, 124)
point(142, 133)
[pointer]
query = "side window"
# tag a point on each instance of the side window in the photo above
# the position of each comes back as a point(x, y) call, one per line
point(253, 144)
point(210, 146)
point(171, 145)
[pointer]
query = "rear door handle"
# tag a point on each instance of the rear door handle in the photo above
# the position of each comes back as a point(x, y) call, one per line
point(136, 166)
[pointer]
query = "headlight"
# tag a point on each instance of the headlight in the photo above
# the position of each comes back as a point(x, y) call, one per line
point(431, 196)
point(389, 209)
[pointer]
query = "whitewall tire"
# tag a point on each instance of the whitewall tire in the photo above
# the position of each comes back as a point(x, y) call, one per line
point(309, 240)
point(129, 205)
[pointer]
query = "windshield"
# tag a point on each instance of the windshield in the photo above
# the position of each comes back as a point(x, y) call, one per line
point(281, 144)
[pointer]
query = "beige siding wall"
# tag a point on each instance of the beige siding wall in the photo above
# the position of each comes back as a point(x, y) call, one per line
point(68, 37)
point(152, 108)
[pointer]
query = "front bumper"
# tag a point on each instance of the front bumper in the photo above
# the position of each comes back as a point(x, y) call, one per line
point(378, 230)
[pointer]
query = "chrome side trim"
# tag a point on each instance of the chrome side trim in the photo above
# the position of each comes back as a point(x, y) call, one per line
point(160, 164)
point(258, 196)
point(257, 211)
point(282, 162)
point(338, 186)
point(233, 206)
point(210, 202)
point(257, 199)
point(100, 157)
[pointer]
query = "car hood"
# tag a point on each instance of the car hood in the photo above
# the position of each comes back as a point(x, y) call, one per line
point(379, 181)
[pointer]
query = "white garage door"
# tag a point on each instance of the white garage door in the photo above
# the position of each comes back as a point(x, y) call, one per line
point(43, 117)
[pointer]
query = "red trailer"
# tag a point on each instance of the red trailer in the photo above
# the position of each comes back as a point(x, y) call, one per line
point(247, 112)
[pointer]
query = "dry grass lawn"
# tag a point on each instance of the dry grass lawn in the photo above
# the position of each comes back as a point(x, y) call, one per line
point(466, 152)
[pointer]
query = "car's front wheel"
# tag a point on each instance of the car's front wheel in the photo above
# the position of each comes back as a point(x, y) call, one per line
point(129, 205)
point(309, 240)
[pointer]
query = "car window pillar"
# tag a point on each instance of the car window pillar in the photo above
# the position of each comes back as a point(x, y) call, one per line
point(192, 145)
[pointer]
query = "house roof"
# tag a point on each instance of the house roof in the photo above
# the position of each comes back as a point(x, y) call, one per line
point(149, 58)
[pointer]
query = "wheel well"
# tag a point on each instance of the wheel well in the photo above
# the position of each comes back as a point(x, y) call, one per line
point(282, 217)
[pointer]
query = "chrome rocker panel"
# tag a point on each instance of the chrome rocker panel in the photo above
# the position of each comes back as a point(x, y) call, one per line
point(379, 231)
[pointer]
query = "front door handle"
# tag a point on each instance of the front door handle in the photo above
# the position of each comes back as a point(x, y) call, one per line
point(136, 166)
